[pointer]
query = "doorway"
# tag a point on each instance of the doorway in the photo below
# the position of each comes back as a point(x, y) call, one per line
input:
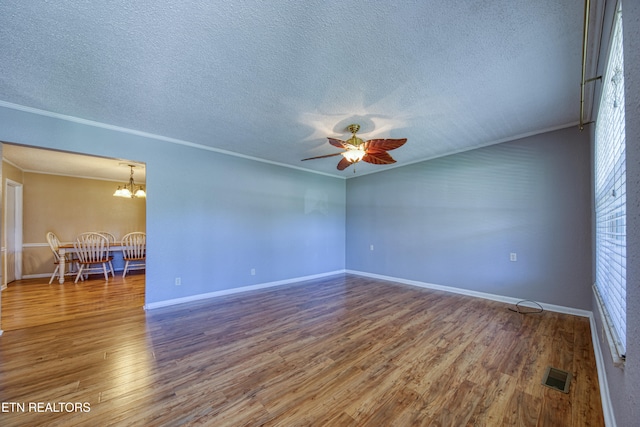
point(66, 193)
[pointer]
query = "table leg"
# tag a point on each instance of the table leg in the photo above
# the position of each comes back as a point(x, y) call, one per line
point(63, 261)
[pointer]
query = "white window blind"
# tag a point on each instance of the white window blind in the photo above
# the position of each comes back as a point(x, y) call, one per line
point(610, 194)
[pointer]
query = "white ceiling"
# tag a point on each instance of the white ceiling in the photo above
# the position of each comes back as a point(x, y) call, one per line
point(272, 80)
point(31, 159)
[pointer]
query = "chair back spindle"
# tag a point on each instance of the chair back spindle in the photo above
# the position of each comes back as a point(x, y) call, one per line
point(92, 248)
point(134, 251)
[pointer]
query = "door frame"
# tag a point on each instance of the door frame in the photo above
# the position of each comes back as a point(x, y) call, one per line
point(16, 203)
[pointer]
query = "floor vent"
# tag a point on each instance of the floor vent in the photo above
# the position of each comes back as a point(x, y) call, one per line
point(557, 379)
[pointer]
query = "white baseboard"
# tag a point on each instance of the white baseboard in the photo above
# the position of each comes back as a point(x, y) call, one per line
point(484, 295)
point(36, 276)
point(605, 397)
point(191, 298)
point(48, 275)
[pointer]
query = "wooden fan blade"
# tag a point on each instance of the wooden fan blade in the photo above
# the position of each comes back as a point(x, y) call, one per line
point(337, 143)
point(343, 164)
point(322, 157)
point(378, 158)
point(377, 145)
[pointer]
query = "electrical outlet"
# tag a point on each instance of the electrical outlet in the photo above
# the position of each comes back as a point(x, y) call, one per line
point(371, 247)
point(513, 256)
point(178, 281)
point(253, 271)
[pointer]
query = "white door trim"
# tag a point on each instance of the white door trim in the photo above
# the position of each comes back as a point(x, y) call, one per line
point(17, 229)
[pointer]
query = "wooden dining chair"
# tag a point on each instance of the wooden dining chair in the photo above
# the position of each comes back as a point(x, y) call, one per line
point(93, 254)
point(54, 244)
point(112, 241)
point(134, 251)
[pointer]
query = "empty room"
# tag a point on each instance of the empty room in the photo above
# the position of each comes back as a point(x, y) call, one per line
point(323, 213)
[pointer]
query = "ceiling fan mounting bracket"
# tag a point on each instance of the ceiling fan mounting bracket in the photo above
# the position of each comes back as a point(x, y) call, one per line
point(353, 128)
point(354, 141)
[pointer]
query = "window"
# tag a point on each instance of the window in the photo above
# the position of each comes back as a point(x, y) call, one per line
point(610, 195)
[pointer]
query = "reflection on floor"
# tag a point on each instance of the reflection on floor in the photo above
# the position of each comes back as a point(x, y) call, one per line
point(336, 351)
point(31, 302)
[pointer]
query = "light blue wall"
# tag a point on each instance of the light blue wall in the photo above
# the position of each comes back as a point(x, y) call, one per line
point(454, 221)
point(211, 217)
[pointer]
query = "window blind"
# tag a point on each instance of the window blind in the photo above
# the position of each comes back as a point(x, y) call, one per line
point(610, 194)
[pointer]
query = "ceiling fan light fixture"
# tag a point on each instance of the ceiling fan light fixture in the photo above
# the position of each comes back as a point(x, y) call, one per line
point(373, 151)
point(354, 155)
point(354, 145)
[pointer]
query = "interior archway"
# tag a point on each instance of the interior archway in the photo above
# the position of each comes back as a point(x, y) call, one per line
point(68, 193)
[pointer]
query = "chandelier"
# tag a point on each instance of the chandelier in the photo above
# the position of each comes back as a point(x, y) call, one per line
point(129, 189)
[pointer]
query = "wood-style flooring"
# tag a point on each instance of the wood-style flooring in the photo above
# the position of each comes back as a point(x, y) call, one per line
point(338, 351)
point(32, 302)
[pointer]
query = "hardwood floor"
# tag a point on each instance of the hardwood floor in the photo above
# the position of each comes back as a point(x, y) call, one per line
point(32, 302)
point(341, 351)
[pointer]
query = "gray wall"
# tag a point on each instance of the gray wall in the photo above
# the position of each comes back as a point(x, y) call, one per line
point(624, 383)
point(211, 217)
point(455, 220)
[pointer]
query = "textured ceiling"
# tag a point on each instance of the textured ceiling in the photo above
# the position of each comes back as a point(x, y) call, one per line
point(272, 80)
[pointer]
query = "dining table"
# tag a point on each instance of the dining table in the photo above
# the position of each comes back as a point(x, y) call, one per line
point(68, 248)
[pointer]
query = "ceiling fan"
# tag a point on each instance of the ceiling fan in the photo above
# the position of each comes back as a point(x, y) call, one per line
point(372, 151)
